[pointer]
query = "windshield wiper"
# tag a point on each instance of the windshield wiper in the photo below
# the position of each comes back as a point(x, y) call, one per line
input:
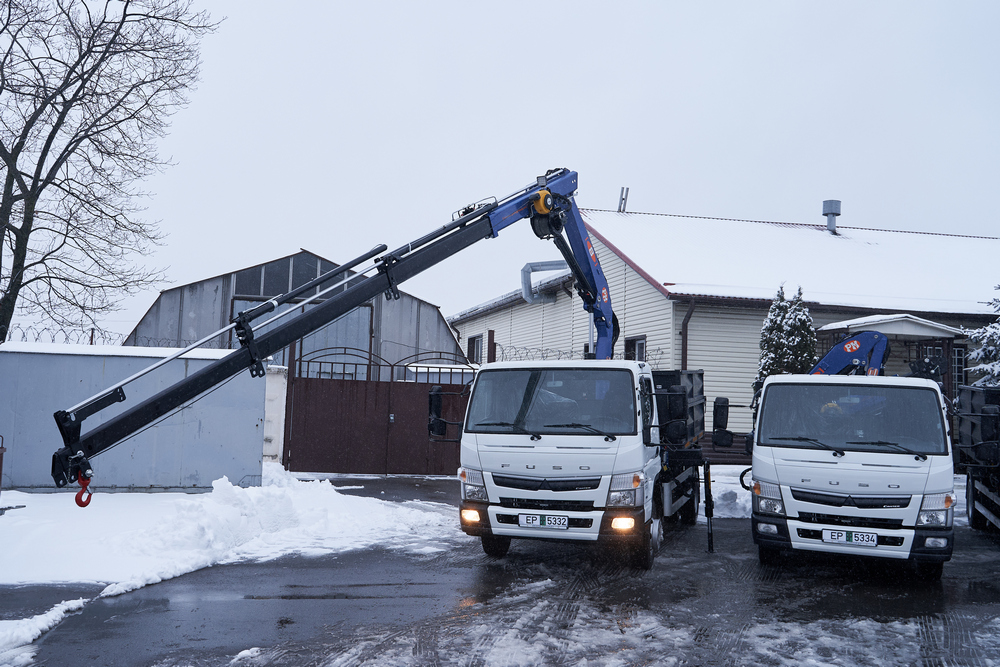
point(607, 436)
point(920, 456)
point(802, 438)
point(516, 427)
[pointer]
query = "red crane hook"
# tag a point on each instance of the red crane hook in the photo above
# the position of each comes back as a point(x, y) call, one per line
point(84, 483)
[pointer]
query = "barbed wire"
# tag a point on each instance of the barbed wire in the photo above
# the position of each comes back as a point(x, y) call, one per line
point(94, 336)
point(515, 353)
point(42, 334)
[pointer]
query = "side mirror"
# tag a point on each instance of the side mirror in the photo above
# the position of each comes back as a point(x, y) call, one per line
point(676, 431)
point(677, 403)
point(436, 426)
point(987, 453)
point(748, 448)
point(989, 424)
point(720, 414)
point(722, 438)
point(647, 436)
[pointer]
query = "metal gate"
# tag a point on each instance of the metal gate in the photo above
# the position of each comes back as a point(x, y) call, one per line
point(349, 411)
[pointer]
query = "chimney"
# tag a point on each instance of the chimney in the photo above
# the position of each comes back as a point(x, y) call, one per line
point(831, 209)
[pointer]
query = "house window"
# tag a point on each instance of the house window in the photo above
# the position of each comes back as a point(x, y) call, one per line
point(635, 348)
point(957, 369)
point(475, 350)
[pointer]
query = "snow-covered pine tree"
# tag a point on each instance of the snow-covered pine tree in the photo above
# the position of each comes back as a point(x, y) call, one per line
point(771, 335)
point(987, 357)
point(800, 338)
point(787, 338)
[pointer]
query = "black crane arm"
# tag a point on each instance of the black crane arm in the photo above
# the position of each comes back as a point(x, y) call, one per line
point(71, 462)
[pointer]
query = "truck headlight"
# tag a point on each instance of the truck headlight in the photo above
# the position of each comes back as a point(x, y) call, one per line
point(627, 489)
point(473, 486)
point(767, 499)
point(937, 510)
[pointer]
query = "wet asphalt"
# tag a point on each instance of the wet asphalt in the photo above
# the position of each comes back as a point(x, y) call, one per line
point(545, 603)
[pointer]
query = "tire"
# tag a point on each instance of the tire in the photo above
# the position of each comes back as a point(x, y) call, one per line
point(652, 538)
point(930, 571)
point(976, 520)
point(768, 555)
point(688, 512)
point(496, 546)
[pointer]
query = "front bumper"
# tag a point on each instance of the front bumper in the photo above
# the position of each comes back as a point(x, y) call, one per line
point(897, 543)
point(591, 526)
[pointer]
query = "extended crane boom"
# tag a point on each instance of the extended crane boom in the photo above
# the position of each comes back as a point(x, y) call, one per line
point(549, 205)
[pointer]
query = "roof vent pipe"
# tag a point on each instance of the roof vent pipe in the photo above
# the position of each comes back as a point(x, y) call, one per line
point(529, 268)
point(831, 209)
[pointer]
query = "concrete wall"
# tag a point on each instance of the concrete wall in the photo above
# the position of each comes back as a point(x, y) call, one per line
point(221, 434)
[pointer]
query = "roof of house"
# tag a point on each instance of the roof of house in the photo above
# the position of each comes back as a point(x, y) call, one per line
point(861, 268)
point(877, 269)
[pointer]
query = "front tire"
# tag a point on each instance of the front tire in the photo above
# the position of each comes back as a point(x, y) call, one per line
point(652, 538)
point(768, 555)
point(496, 546)
point(930, 571)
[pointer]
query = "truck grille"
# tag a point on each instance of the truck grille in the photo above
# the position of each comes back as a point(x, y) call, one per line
point(850, 521)
point(551, 505)
point(834, 500)
point(535, 484)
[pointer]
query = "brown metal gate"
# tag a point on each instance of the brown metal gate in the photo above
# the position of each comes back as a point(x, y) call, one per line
point(348, 411)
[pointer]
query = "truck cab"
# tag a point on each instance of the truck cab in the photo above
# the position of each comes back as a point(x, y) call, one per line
point(568, 450)
point(858, 465)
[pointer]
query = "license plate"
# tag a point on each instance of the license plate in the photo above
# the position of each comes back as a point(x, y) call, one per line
point(851, 537)
point(542, 521)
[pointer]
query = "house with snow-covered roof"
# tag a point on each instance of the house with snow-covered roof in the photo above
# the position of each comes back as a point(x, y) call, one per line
point(692, 293)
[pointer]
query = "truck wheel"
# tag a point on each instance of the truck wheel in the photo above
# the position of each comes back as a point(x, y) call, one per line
point(976, 520)
point(929, 571)
point(768, 555)
point(646, 552)
point(496, 546)
point(689, 510)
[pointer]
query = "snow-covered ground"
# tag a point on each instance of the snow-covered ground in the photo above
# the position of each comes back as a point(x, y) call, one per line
point(147, 538)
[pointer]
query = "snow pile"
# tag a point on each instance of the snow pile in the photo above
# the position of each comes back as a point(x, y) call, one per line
point(129, 540)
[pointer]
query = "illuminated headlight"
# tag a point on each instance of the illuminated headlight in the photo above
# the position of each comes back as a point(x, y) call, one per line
point(937, 510)
point(626, 490)
point(473, 486)
point(767, 499)
point(622, 523)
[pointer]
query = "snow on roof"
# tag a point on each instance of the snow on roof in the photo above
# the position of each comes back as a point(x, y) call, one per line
point(900, 325)
point(861, 268)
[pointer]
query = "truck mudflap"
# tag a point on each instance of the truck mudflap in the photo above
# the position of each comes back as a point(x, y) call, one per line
point(919, 545)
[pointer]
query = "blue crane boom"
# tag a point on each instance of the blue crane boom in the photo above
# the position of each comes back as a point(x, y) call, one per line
point(548, 204)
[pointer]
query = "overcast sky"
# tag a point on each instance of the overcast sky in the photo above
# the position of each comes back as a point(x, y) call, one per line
point(335, 126)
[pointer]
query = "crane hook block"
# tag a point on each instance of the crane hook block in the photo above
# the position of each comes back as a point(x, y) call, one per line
point(542, 202)
point(80, 500)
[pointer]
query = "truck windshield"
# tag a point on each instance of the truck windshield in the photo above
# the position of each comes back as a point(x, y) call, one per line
point(901, 420)
point(571, 401)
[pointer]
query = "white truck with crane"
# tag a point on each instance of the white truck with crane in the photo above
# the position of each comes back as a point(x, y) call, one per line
point(849, 461)
point(586, 450)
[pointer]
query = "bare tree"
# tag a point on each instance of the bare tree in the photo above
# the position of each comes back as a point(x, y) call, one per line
point(86, 88)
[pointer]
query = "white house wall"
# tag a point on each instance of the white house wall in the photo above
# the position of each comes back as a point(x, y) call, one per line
point(563, 325)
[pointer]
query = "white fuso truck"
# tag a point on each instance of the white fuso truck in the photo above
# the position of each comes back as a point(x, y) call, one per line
point(572, 450)
point(853, 464)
